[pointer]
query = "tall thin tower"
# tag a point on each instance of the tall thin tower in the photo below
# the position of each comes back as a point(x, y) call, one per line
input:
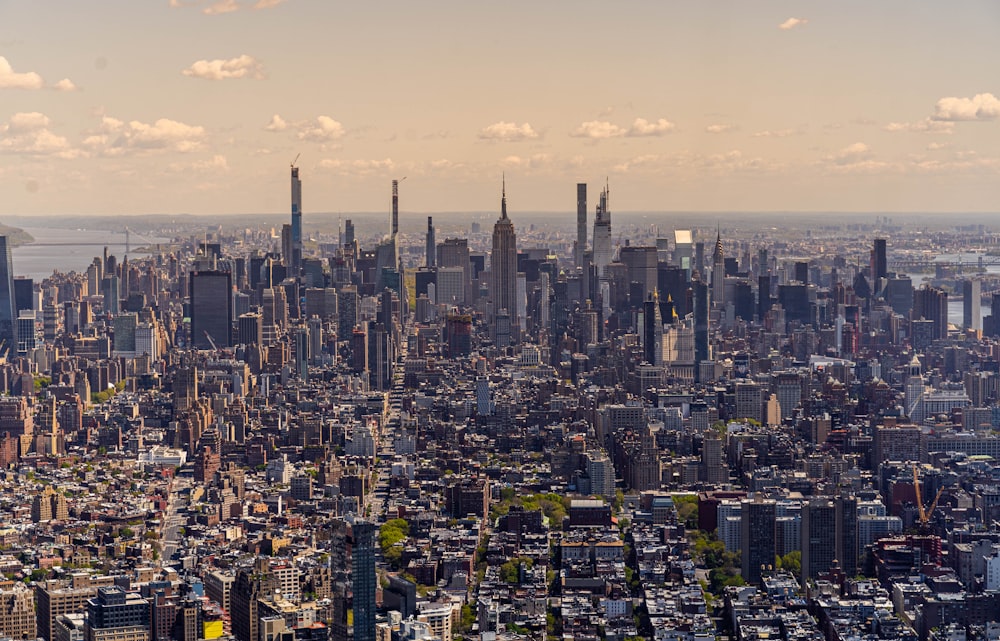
point(503, 271)
point(581, 225)
point(7, 318)
point(602, 236)
point(296, 220)
point(430, 246)
point(394, 224)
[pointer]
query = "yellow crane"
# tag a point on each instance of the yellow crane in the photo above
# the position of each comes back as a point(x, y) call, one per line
point(924, 515)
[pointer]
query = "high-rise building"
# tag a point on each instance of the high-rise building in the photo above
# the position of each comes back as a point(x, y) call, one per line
point(211, 309)
point(503, 267)
point(363, 580)
point(250, 587)
point(27, 331)
point(931, 303)
point(879, 262)
point(602, 236)
point(819, 537)
point(24, 294)
point(718, 273)
point(7, 317)
point(700, 298)
point(17, 612)
point(429, 245)
point(296, 262)
point(56, 601)
point(581, 226)
point(757, 536)
point(972, 317)
point(117, 615)
point(347, 311)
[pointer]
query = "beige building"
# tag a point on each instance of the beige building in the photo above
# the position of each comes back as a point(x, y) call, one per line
point(17, 611)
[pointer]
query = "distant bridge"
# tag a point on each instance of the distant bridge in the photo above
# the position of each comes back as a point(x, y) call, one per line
point(111, 241)
point(906, 264)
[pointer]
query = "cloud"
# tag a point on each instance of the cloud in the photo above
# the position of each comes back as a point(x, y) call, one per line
point(719, 129)
point(984, 106)
point(359, 168)
point(65, 85)
point(222, 6)
point(850, 154)
point(597, 130)
point(777, 133)
point(10, 79)
point(267, 4)
point(243, 66)
point(642, 127)
point(927, 126)
point(323, 129)
point(791, 23)
point(216, 163)
point(508, 132)
point(935, 146)
point(27, 133)
point(536, 161)
point(277, 124)
point(116, 137)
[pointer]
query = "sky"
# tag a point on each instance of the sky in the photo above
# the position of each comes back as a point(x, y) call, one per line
point(199, 106)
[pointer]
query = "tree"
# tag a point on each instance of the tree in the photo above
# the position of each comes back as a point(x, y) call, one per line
point(791, 562)
point(687, 510)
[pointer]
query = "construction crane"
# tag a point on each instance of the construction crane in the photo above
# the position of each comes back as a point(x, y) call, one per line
point(296, 159)
point(924, 515)
point(211, 341)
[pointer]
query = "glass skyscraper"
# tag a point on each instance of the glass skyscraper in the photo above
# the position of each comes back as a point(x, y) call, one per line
point(7, 338)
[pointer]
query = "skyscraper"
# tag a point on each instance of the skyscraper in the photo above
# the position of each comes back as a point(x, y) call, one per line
point(602, 236)
point(363, 580)
point(296, 262)
point(211, 309)
point(503, 266)
point(972, 317)
point(758, 537)
point(581, 225)
point(429, 246)
point(718, 273)
point(879, 263)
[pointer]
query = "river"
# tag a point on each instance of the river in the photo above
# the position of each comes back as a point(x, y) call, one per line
point(66, 250)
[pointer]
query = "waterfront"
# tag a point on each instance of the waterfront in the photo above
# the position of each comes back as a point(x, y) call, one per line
point(65, 250)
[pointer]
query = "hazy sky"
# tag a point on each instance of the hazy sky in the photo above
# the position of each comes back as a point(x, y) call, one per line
point(170, 106)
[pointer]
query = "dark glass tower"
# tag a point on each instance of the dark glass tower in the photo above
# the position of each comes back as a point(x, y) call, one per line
point(581, 225)
point(296, 262)
point(211, 309)
point(7, 341)
point(879, 262)
point(363, 580)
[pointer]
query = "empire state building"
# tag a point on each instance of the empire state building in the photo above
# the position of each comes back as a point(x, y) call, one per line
point(503, 276)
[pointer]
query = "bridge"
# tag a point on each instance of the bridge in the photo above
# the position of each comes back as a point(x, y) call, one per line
point(908, 264)
point(111, 241)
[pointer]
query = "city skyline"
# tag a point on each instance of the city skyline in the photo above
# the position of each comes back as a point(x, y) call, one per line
point(777, 106)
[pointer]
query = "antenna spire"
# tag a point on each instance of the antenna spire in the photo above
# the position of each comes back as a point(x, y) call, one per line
point(503, 195)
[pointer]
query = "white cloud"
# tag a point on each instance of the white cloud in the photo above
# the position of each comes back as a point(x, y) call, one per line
point(936, 146)
point(536, 161)
point(116, 137)
point(10, 79)
point(267, 4)
point(28, 134)
point(216, 163)
point(851, 153)
point(323, 129)
point(719, 129)
point(277, 124)
point(927, 126)
point(359, 168)
point(791, 23)
point(776, 133)
point(65, 85)
point(984, 106)
point(598, 129)
point(508, 132)
point(222, 6)
point(643, 127)
point(243, 66)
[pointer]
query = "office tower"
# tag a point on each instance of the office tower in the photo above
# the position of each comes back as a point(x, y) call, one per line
point(971, 301)
point(642, 268)
point(110, 290)
point(879, 263)
point(348, 233)
point(718, 273)
point(287, 247)
point(54, 602)
point(802, 271)
point(302, 355)
point(602, 236)
point(250, 330)
point(819, 537)
point(117, 615)
point(124, 337)
point(430, 246)
point(394, 223)
point(347, 311)
point(251, 586)
point(581, 226)
point(211, 309)
point(296, 262)
point(24, 294)
point(931, 303)
point(27, 334)
point(503, 267)
point(699, 292)
point(652, 343)
point(363, 580)
point(848, 549)
point(7, 314)
point(454, 252)
point(757, 526)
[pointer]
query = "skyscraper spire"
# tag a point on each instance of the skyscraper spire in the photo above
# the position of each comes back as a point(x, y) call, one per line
point(503, 195)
